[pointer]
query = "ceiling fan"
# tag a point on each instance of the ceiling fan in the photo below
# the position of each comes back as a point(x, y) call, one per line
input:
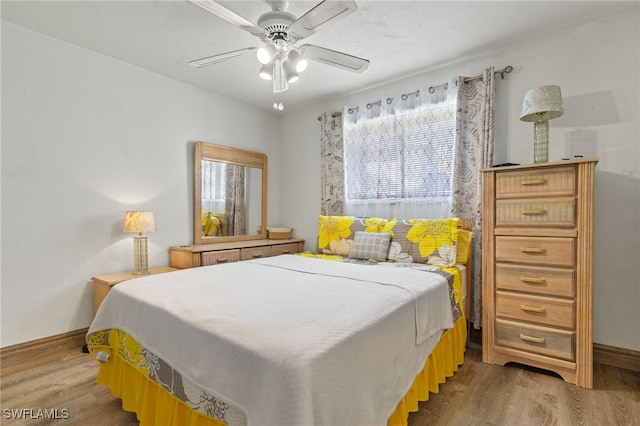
point(281, 60)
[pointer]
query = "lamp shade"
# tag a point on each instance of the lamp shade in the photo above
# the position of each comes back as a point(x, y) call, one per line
point(541, 104)
point(139, 222)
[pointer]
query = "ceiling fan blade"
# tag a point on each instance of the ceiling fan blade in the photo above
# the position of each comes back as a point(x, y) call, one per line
point(222, 57)
point(229, 16)
point(322, 13)
point(334, 58)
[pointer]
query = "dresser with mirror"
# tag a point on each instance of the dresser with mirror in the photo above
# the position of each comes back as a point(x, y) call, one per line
point(230, 209)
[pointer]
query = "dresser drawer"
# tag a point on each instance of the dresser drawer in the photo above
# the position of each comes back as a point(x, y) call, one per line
point(284, 249)
point(222, 256)
point(536, 339)
point(558, 211)
point(255, 252)
point(536, 250)
point(539, 309)
point(535, 279)
point(559, 180)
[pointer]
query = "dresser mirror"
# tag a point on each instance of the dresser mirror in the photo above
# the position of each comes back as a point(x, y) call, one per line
point(230, 194)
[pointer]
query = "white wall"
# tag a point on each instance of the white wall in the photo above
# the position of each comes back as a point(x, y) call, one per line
point(85, 138)
point(598, 67)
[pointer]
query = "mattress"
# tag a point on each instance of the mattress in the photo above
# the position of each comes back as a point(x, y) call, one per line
point(206, 327)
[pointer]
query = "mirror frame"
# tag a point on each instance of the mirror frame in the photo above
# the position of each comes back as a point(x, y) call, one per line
point(225, 154)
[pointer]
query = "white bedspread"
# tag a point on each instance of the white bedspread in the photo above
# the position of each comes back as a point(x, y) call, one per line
point(289, 340)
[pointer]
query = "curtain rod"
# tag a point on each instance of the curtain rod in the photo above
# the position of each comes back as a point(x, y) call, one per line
point(333, 115)
point(502, 72)
point(432, 89)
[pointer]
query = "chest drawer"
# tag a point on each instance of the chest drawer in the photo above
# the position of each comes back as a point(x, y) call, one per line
point(539, 309)
point(558, 211)
point(255, 252)
point(535, 279)
point(534, 183)
point(222, 256)
point(536, 250)
point(284, 249)
point(531, 338)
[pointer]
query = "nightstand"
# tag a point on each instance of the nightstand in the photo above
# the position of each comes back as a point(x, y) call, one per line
point(102, 283)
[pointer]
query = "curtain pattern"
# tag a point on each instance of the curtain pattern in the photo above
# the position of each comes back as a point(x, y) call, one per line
point(474, 151)
point(234, 203)
point(332, 165)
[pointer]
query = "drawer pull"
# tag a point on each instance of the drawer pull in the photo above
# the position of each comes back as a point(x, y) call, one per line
point(286, 251)
point(532, 280)
point(222, 260)
point(534, 212)
point(532, 250)
point(256, 255)
point(531, 338)
point(536, 309)
point(533, 182)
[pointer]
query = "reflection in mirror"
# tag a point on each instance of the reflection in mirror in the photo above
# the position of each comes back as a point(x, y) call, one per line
point(231, 199)
point(230, 190)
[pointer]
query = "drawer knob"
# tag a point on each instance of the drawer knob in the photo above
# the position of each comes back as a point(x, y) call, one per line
point(536, 309)
point(534, 212)
point(533, 182)
point(531, 338)
point(532, 250)
point(532, 280)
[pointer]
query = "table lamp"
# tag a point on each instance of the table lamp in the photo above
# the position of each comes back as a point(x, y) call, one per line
point(541, 105)
point(139, 222)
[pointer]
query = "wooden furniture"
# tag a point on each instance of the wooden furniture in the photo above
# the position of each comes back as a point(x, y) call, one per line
point(231, 251)
point(537, 235)
point(102, 284)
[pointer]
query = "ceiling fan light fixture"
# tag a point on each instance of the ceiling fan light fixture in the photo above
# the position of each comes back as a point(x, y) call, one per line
point(266, 54)
point(290, 71)
point(266, 72)
point(298, 61)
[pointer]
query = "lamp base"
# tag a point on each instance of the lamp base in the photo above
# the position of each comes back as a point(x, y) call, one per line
point(140, 262)
point(541, 141)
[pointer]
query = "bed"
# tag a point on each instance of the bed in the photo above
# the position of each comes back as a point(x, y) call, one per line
point(328, 337)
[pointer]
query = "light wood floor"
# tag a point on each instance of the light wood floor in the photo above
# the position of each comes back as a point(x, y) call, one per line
point(479, 394)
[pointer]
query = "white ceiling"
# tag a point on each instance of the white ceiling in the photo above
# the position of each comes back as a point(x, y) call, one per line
point(400, 38)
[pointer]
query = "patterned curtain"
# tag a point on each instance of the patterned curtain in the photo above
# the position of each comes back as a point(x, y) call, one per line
point(234, 202)
point(332, 165)
point(474, 151)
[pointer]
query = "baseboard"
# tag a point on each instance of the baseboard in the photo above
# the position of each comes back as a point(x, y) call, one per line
point(618, 357)
point(602, 354)
point(68, 340)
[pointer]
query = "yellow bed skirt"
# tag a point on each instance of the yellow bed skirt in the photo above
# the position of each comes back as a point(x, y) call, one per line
point(155, 406)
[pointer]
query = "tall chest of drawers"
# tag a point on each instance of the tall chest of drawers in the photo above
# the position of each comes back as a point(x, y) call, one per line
point(537, 288)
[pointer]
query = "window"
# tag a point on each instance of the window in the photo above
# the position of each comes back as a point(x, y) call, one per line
point(213, 186)
point(401, 159)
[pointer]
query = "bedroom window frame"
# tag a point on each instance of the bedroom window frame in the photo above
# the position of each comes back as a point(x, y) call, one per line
point(367, 144)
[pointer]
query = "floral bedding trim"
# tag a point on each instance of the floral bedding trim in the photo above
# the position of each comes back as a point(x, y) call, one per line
point(451, 273)
point(113, 341)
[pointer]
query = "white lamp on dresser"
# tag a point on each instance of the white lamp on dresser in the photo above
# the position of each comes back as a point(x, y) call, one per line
point(541, 105)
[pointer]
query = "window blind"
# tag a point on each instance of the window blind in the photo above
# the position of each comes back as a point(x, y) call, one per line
point(409, 155)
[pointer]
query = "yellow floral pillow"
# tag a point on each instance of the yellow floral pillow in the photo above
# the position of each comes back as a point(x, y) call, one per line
point(336, 233)
point(432, 241)
point(464, 246)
